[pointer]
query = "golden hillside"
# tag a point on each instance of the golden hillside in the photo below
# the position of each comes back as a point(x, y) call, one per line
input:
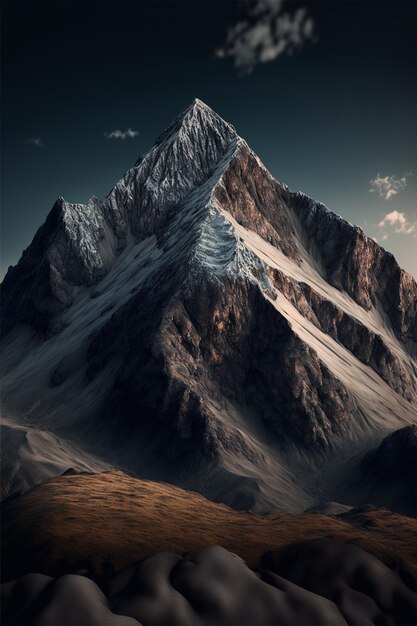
point(111, 520)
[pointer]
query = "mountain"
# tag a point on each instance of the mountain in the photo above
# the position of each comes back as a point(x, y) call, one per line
point(206, 326)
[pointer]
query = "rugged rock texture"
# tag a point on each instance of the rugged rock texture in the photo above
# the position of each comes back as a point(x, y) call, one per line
point(358, 265)
point(205, 325)
point(257, 201)
point(368, 346)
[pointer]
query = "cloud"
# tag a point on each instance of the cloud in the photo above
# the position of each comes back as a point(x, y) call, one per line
point(388, 186)
point(122, 134)
point(398, 223)
point(35, 141)
point(266, 33)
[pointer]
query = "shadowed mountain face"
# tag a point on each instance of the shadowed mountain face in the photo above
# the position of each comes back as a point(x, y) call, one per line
point(388, 474)
point(206, 326)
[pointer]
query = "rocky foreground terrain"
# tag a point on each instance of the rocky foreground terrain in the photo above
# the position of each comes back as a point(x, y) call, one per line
point(110, 548)
point(216, 587)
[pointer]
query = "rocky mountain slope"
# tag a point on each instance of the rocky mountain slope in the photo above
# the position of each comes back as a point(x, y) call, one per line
point(206, 326)
point(387, 474)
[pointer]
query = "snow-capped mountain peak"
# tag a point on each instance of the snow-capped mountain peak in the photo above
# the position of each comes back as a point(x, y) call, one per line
point(203, 316)
point(197, 121)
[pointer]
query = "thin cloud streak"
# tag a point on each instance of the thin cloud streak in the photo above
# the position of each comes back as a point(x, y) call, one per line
point(35, 141)
point(122, 134)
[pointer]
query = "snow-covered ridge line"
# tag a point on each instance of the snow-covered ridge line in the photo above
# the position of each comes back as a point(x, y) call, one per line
point(219, 251)
point(182, 160)
point(83, 223)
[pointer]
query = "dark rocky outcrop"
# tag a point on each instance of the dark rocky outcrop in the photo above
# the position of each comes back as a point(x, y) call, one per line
point(387, 476)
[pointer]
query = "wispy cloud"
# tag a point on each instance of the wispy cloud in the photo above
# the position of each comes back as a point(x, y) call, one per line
point(35, 141)
point(122, 134)
point(266, 33)
point(388, 186)
point(397, 222)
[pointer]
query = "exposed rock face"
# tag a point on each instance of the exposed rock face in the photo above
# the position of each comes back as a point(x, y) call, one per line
point(368, 346)
point(205, 325)
point(257, 201)
point(182, 159)
point(356, 264)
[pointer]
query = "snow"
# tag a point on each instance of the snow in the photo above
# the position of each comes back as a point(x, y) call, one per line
point(84, 226)
point(183, 157)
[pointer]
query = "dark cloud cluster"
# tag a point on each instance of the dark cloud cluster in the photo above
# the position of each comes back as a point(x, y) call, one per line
point(266, 33)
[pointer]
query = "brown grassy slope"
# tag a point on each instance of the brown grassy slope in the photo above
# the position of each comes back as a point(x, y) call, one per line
point(109, 517)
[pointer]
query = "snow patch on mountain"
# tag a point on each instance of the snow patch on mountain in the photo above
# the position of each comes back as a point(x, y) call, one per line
point(84, 228)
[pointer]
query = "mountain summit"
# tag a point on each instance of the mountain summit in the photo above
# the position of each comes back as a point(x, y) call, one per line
point(205, 325)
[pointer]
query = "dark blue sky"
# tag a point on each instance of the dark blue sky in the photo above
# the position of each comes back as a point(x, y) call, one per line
point(326, 120)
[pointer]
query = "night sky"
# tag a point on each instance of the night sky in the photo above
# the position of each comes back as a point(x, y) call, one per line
point(326, 120)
